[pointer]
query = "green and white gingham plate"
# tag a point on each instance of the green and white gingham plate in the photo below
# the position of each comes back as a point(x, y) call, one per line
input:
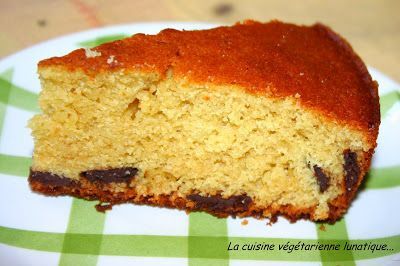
point(39, 230)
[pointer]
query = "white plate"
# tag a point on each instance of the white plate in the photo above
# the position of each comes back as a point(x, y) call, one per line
point(39, 230)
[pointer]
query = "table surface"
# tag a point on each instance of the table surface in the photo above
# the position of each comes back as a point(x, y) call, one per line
point(371, 26)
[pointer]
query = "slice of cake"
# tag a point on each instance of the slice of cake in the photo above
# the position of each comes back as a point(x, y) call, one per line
point(249, 120)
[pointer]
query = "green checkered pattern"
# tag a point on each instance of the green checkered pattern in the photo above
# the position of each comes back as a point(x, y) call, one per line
point(208, 237)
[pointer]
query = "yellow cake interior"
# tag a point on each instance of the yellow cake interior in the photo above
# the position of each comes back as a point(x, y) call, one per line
point(185, 137)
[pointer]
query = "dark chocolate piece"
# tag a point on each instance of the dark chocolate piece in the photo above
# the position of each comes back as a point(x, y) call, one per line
point(117, 175)
point(322, 178)
point(51, 179)
point(218, 204)
point(351, 168)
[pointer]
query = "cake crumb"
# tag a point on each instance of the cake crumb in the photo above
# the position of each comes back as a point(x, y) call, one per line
point(245, 222)
point(301, 74)
point(272, 220)
point(91, 53)
point(111, 60)
point(297, 95)
point(322, 227)
point(103, 207)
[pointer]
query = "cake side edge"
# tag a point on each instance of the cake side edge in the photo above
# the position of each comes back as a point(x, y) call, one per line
point(237, 205)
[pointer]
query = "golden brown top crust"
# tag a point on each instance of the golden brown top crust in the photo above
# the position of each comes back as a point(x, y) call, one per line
point(274, 58)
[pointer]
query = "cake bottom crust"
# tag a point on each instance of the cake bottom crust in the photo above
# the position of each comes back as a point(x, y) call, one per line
point(239, 205)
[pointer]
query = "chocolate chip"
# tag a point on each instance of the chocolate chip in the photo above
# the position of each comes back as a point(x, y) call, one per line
point(51, 179)
point(117, 175)
point(219, 204)
point(322, 178)
point(223, 9)
point(351, 168)
point(41, 23)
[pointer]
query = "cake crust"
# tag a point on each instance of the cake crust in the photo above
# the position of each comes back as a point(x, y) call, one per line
point(274, 59)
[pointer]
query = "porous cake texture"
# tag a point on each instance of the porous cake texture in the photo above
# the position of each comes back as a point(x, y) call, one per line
point(255, 119)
